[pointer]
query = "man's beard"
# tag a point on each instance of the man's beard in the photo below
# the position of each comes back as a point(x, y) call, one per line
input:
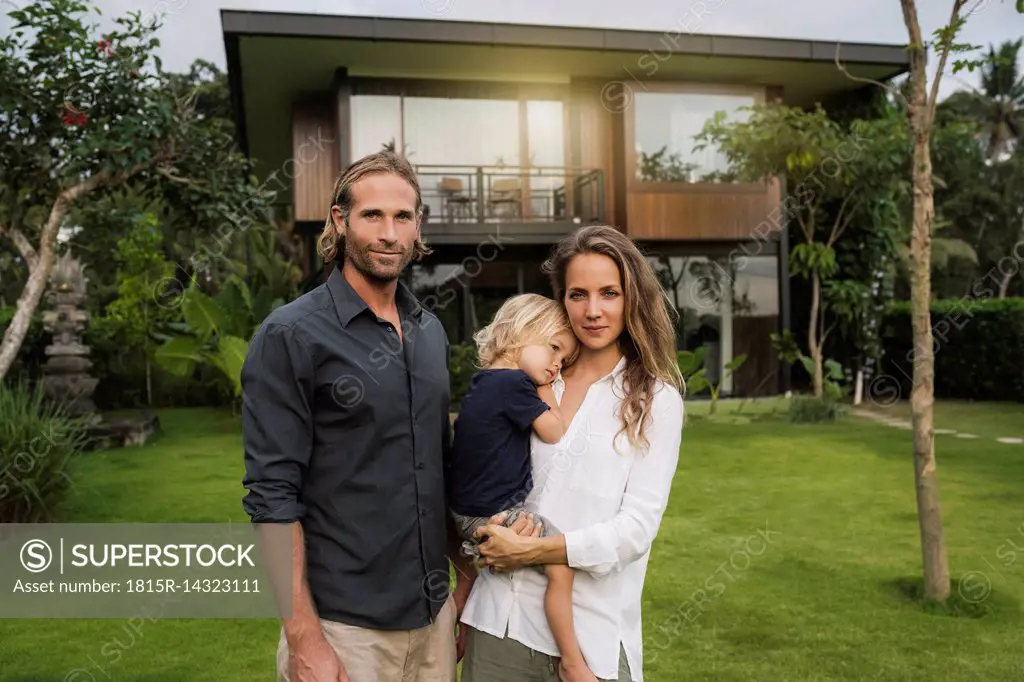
point(363, 261)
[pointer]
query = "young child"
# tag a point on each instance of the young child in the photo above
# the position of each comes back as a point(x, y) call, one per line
point(520, 353)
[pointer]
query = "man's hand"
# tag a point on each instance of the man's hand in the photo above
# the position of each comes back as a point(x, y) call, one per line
point(311, 659)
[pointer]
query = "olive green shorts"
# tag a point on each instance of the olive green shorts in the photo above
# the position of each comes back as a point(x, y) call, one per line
point(494, 659)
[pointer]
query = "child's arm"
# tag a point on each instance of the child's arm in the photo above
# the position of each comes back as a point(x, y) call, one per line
point(549, 426)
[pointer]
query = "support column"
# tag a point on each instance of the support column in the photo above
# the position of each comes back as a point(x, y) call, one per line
point(725, 310)
point(785, 308)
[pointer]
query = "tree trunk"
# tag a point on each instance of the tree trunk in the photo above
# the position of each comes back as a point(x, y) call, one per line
point(813, 344)
point(40, 266)
point(38, 277)
point(149, 382)
point(922, 397)
point(1004, 286)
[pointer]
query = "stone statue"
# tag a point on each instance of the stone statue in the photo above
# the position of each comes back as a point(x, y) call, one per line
point(66, 376)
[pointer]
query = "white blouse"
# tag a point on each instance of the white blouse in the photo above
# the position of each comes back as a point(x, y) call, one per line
point(609, 506)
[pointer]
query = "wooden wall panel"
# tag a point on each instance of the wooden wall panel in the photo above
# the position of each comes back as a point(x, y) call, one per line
point(594, 139)
point(702, 211)
point(315, 162)
point(713, 215)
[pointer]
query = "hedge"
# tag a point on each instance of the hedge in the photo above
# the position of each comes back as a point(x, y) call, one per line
point(979, 348)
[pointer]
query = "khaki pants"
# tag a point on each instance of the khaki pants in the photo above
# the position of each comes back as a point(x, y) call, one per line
point(496, 659)
point(426, 654)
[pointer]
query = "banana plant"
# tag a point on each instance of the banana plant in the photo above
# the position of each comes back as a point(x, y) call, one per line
point(691, 364)
point(213, 332)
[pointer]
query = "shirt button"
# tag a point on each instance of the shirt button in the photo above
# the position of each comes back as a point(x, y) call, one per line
point(423, 512)
point(420, 465)
point(391, 330)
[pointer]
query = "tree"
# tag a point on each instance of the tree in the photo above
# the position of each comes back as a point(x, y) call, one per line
point(82, 114)
point(142, 270)
point(832, 172)
point(999, 104)
point(921, 108)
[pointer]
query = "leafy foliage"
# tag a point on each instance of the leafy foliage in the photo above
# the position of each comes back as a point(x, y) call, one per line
point(136, 312)
point(694, 369)
point(806, 409)
point(978, 348)
point(37, 443)
point(212, 333)
point(82, 114)
point(835, 175)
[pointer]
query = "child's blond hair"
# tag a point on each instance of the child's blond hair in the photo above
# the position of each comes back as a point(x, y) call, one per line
point(521, 321)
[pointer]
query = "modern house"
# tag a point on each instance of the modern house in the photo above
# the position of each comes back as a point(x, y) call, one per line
point(521, 133)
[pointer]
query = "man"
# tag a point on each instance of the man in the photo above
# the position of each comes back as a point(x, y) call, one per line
point(346, 430)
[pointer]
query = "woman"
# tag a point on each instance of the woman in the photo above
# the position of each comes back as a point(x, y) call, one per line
point(605, 484)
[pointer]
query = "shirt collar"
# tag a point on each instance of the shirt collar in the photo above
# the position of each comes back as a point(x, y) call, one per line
point(613, 375)
point(616, 372)
point(350, 304)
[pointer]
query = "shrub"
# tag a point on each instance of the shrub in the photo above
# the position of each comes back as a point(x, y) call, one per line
point(121, 370)
point(461, 368)
point(806, 409)
point(977, 348)
point(37, 443)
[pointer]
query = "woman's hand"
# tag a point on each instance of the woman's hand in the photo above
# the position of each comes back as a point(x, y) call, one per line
point(579, 673)
point(506, 550)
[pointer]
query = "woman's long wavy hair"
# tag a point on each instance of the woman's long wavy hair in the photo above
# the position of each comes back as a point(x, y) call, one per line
point(648, 339)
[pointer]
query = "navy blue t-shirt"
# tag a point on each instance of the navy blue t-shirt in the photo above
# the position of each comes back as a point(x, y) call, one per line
point(490, 459)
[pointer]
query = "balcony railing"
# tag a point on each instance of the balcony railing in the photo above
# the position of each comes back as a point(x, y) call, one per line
point(491, 194)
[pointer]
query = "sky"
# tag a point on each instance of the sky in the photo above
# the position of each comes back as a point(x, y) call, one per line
point(192, 28)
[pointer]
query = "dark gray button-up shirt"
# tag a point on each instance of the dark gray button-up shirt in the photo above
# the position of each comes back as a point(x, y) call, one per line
point(346, 430)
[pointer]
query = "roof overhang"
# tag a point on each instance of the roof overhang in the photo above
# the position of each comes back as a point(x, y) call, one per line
point(275, 58)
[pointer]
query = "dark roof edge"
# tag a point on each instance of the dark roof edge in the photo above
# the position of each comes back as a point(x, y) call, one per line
point(677, 39)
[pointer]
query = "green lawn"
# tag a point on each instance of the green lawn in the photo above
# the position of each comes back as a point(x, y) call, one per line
point(818, 601)
point(992, 419)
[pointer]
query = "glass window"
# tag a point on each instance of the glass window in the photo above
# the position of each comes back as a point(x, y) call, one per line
point(544, 123)
point(546, 139)
point(467, 152)
point(731, 307)
point(448, 139)
point(462, 132)
point(667, 124)
point(376, 121)
point(755, 313)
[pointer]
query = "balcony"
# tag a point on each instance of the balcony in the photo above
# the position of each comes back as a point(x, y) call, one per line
point(534, 204)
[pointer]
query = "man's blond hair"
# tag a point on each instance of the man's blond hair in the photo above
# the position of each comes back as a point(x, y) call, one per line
point(521, 321)
point(331, 245)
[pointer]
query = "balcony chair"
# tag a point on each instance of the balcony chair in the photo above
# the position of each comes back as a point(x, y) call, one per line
point(456, 203)
point(505, 199)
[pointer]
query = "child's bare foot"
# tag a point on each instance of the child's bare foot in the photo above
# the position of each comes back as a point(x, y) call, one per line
point(575, 671)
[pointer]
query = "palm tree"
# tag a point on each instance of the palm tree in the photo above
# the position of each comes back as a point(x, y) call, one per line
point(999, 104)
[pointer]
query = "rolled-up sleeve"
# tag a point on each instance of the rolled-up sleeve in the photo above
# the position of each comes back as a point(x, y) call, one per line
point(611, 545)
point(277, 423)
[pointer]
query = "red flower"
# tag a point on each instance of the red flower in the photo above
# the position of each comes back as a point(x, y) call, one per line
point(106, 47)
point(73, 117)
